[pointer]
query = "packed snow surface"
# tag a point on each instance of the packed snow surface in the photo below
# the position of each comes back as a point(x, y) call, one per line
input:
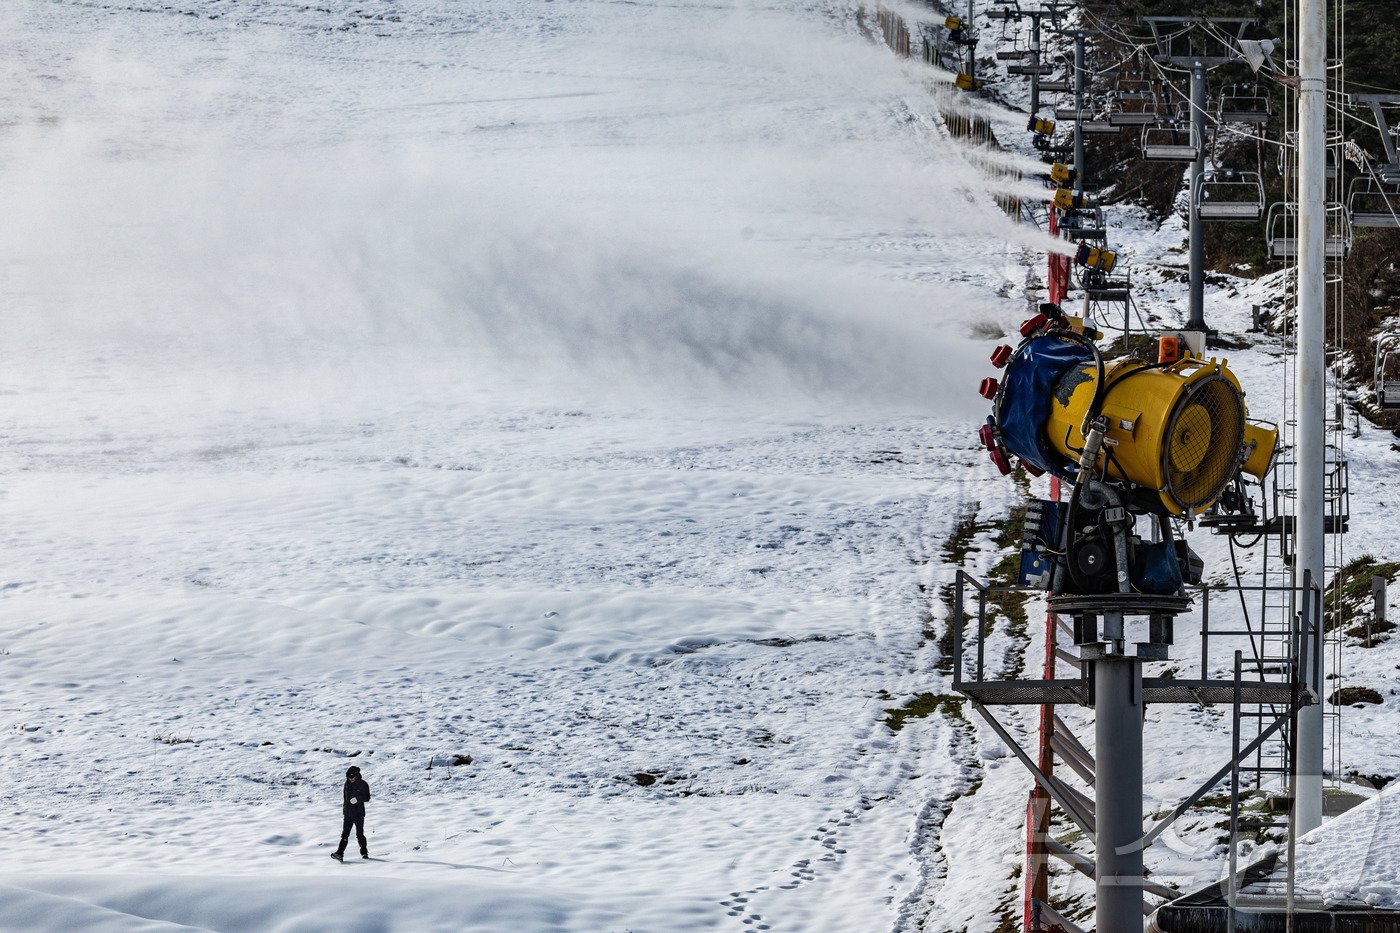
point(554, 409)
point(563, 412)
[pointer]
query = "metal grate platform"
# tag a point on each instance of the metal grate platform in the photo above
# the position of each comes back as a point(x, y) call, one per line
point(1154, 690)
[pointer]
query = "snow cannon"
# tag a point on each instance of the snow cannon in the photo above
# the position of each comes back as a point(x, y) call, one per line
point(1041, 126)
point(1096, 258)
point(1173, 434)
point(967, 82)
point(960, 31)
point(1067, 200)
point(1061, 175)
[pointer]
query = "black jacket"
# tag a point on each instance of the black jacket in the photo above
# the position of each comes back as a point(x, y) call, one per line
point(359, 790)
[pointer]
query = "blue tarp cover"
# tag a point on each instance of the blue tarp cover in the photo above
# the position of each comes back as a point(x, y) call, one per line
point(1027, 393)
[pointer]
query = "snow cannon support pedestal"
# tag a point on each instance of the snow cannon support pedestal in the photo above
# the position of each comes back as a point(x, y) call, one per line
point(1103, 631)
point(1144, 445)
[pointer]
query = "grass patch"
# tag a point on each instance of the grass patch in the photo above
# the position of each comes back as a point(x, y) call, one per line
point(959, 543)
point(923, 706)
point(170, 738)
point(1355, 696)
point(1012, 605)
point(1141, 346)
point(1219, 341)
point(1347, 602)
point(955, 551)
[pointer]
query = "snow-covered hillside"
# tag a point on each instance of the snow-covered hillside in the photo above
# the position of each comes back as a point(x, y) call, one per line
point(563, 411)
point(583, 390)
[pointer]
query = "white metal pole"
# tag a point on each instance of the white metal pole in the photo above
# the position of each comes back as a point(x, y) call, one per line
point(1311, 380)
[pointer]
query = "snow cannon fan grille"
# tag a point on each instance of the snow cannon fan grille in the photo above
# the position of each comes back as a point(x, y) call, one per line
point(1203, 442)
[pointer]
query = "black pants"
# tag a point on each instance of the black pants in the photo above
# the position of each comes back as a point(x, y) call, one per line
point(356, 820)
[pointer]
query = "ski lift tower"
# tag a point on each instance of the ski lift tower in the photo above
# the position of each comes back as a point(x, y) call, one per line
point(1186, 42)
point(1080, 112)
point(1390, 171)
point(1374, 197)
point(1035, 68)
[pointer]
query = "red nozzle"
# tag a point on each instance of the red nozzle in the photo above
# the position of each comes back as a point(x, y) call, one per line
point(1000, 355)
point(988, 388)
point(1033, 325)
point(999, 458)
point(988, 436)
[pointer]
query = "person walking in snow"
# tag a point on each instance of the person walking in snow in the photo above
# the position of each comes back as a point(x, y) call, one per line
point(354, 795)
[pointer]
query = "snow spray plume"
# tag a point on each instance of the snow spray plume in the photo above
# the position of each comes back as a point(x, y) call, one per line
point(719, 250)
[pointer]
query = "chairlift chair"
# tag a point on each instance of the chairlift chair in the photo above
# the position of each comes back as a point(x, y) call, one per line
point(1071, 115)
point(1043, 68)
point(1099, 126)
point(1230, 196)
point(1134, 110)
point(1020, 48)
point(1386, 377)
point(1053, 85)
point(1169, 143)
point(1290, 166)
point(1243, 103)
point(1281, 230)
point(1052, 150)
point(1131, 88)
point(1100, 287)
point(1084, 223)
point(1373, 203)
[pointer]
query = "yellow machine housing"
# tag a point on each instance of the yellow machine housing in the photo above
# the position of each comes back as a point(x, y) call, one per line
point(1098, 258)
point(967, 82)
point(1066, 200)
point(1179, 429)
point(954, 22)
point(1061, 174)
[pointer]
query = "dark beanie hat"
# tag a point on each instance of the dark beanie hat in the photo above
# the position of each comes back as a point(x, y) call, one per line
point(352, 772)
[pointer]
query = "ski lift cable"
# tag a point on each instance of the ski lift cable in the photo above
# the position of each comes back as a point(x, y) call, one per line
point(1374, 87)
point(1128, 39)
point(1135, 48)
point(1116, 65)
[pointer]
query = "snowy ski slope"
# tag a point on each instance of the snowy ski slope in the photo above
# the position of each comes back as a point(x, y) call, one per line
point(582, 388)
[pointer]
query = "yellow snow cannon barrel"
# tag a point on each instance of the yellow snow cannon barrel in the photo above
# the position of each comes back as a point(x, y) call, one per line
point(1060, 174)
point(1178, 429)
point(967, 82)
point(1261, 445)
point(1095, 257)
point(1067, 200)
